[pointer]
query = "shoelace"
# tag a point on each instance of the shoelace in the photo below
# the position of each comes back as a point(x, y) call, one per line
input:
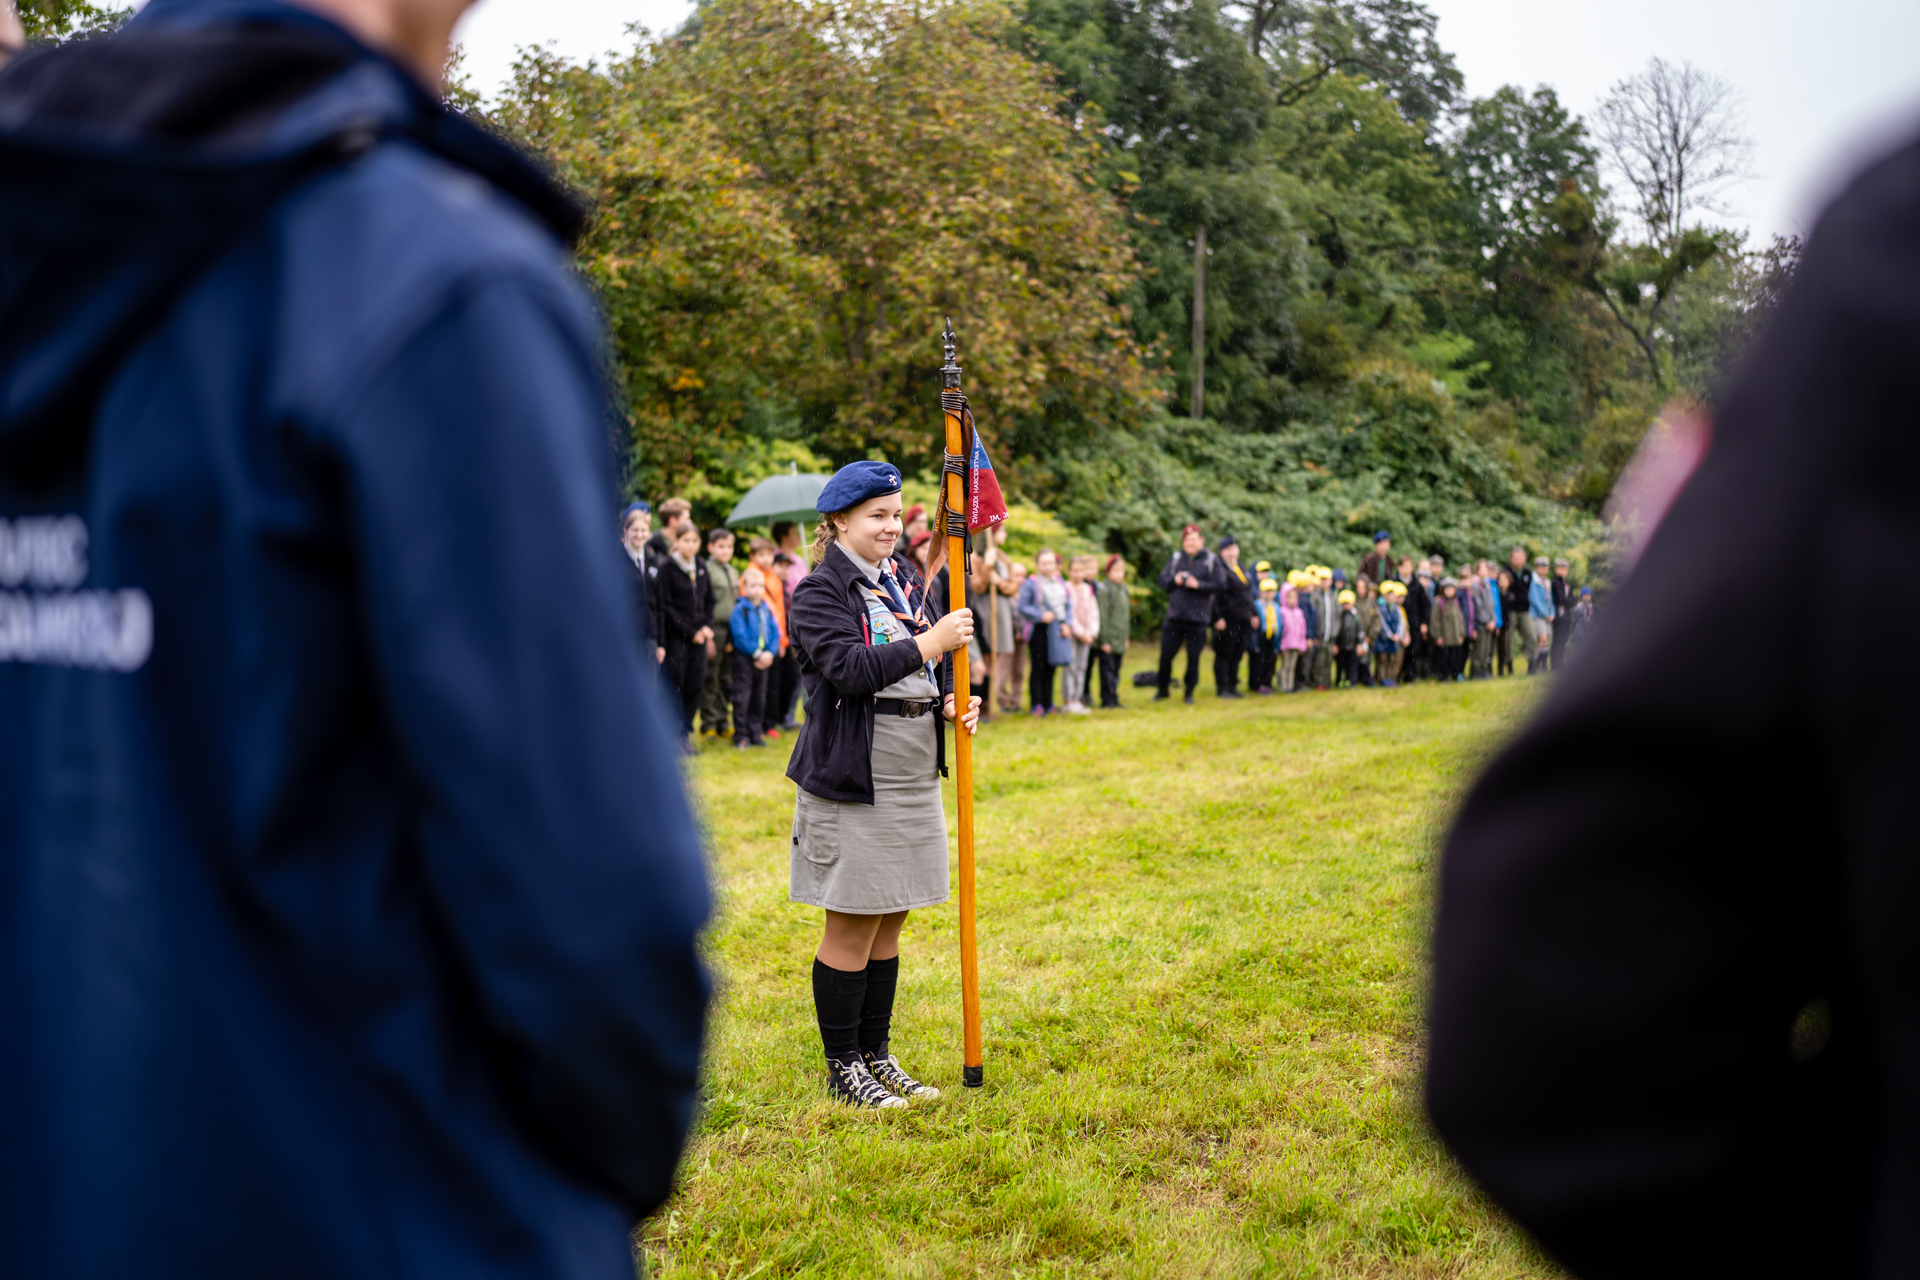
point(889, 1072)
point(861, 1084)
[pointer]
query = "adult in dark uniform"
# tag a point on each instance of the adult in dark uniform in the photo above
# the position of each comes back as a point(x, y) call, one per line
point(1191, 578)
point(1419, 606)
point(351, 896)
point(1562, 591)
point(1232, 617)
point(1517, 633)
point(1676, 1006)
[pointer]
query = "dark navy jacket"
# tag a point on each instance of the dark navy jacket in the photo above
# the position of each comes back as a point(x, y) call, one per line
point(348, 893)
point(1190, 604)
point(841, 671)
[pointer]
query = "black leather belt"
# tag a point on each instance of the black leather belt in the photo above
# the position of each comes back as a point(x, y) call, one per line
point(910, 708)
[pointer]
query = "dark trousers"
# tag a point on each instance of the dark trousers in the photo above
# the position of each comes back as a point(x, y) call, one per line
point(1260, 667)
point(1110, 678)
point(1172, 636)
point(1386, 667)
point(1480, 653)
point(1503, 641)
point(749, 688)
point(686, 676)
point(715, 699)
point(1040, 677)
point(1344, 664)
point(1228, 644)
point(1452, 657)
point(1561, 628)
point(783, 687)
point(1317, 667)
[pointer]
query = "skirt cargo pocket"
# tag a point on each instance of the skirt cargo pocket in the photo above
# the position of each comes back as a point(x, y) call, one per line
point(816, 833)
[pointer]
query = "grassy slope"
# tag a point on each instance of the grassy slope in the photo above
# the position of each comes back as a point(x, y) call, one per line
point(1201, 934)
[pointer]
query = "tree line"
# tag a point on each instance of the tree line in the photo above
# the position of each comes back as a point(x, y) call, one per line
point(1263, 264)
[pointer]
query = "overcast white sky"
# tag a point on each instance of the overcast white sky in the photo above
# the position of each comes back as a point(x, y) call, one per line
point(1826, 84)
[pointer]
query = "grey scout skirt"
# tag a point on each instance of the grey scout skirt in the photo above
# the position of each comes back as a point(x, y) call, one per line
point(887, 856)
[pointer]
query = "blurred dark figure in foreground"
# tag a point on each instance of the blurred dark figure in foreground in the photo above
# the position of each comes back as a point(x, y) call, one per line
point(348, 894)
point(1676, 1007)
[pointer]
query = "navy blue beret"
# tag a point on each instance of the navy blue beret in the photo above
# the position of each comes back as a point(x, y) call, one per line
point(855, 483)
point(1380, 536)
point(1228, 540)
point(633, 507)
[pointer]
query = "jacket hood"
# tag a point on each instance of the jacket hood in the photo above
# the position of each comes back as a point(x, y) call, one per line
point(129, 163)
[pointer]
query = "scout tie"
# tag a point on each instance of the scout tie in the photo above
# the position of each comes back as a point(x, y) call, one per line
point(895, 603)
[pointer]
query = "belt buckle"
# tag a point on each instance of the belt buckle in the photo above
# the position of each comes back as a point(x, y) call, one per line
point(916, 708)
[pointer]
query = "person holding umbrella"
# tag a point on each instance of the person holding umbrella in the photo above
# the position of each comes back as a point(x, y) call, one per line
point(869, 830)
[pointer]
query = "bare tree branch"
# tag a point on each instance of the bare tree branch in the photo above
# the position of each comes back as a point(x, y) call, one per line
point(1674, 134)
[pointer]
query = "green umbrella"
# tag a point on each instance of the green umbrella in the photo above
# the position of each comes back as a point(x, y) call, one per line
point(788, 497)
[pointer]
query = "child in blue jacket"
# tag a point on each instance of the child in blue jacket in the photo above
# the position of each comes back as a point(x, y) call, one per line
point(756, 642)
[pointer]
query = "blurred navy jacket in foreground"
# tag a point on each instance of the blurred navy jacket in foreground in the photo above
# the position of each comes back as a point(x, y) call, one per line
point(348, 891)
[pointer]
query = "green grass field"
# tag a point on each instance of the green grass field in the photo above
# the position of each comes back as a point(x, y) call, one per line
point(1201, 958)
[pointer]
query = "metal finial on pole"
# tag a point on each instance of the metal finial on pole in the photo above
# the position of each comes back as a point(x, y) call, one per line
point(959, 448)
point(950, 371)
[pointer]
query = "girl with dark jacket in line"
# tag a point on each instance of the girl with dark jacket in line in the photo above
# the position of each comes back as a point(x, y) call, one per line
point(869, 831)
point(682, 598)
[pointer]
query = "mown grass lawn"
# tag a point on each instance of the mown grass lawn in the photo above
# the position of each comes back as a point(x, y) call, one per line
point(1201, 951)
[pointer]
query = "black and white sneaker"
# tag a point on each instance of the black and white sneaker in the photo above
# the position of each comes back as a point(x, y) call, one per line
point(885, 1068)
point(854, 1085)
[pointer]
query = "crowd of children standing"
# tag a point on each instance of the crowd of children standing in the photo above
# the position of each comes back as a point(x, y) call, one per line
point(1394, 620)
point(1055, 627)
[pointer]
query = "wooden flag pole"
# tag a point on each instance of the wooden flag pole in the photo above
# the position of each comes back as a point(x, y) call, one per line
point(959, 447)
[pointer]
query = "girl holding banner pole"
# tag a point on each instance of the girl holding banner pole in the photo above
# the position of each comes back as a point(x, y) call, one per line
point(869, 831)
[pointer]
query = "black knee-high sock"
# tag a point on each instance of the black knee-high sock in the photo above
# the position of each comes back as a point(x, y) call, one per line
point(876, 1017)
point(838, 997)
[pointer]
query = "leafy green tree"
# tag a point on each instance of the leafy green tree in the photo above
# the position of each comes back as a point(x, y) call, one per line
point(1388, 45)
point(52, 21)
point(789, 201)
point(1374, 203)
point(926, 165)
point(1528, 239)
point(1182, 106)
point(705, 293)
point(1723, 309)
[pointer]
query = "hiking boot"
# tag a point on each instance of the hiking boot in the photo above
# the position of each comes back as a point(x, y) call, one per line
point(854, 1085)
point(1162, 696)
point(885, 1068)
point(1189, 698)
point(1229, 693)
